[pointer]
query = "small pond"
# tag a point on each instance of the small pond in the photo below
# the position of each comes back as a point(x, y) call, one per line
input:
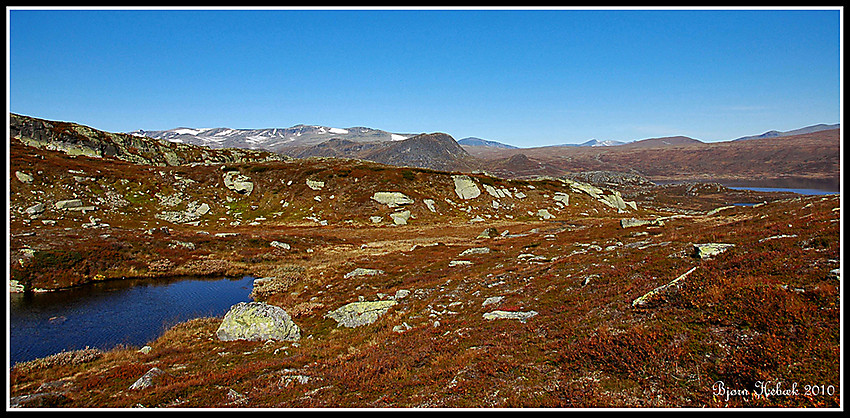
point(103, 315)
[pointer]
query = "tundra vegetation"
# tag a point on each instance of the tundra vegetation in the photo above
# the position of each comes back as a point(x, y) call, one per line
point(476, 300)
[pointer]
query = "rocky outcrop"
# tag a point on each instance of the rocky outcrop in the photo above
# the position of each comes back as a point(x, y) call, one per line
point(79, 140)
point(357, 314)
point(257, 321)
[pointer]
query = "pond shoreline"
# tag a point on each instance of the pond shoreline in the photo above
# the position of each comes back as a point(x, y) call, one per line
point(109, 313)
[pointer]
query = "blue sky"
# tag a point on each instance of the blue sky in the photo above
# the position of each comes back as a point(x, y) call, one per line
point(523, 77)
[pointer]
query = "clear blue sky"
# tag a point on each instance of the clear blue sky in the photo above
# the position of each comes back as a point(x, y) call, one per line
point(523, 77)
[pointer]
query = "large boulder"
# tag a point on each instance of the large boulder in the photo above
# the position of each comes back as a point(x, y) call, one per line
point(237, 182)
point(702, 251)
point(257, 321)
point(392, 199)
point(465, 187)
point(356, 314)
point(400, 218)
point(521, 316)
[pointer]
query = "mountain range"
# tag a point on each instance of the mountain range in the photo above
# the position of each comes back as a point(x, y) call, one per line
point(807, 130)
point(270, 139)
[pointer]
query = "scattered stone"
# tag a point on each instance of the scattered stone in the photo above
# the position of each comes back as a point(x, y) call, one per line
point(544, 214)
point(401, 328)
point(36, 209)
point(714, 211)
point(400, 218)
point(376, 219)
point(521, 316)
point(145, 350)
point(23, 177)
point(257, 321)
point(430, 204)
point(562, 197)
point(614, 200)
point(475, 251)
point(363, 272)
point(356, 314)
point(146, 381)
point(315, 185)
point(632, 222)
point(281, 245)
point(237, 182)
point(492, 300)
point(454, 263)
point(835, 274)
point(656, 293)
point(68, 204)
point(520, 195)
point(401, 294)
point(465, 187)
point(703, 251)
point(777, 237)
point(488, 233)
point(392, 199)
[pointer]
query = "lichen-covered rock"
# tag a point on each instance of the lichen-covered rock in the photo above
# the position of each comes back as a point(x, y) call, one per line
point(544, 214)
point(363, 272)
point(356, 314)
point(257, 321)
point(465, 187)
point(237, 182)
point(392, 199)
point(562, 197)
point(147, 380)
point(521, 316)
point(68, 204)
point(315, 184)
point(709, 250)
point(632, 222)
point(657, 293)
point(400, 218)
point(23, 177)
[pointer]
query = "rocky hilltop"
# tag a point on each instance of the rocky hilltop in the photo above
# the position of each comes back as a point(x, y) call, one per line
point(75, 139)
point(436, 151)
point(385, 286)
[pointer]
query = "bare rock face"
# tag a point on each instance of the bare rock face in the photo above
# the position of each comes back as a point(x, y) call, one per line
point(257, 321)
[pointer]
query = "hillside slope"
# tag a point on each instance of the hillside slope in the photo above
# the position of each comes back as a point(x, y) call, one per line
point(498, 293)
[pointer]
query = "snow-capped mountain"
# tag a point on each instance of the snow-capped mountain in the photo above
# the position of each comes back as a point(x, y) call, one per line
point(270, 139)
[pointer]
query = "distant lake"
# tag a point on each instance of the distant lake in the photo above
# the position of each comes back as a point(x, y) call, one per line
point(103, 315)
point(781, 189)
point(793, 185)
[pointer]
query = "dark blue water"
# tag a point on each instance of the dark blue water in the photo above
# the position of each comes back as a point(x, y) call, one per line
point(106, 314)
point(780, 189)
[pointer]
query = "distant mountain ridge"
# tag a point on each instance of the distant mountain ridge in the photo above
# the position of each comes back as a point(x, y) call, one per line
point(478, 142)
point(437, 151)
point(270, 139)
point(806, 130)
